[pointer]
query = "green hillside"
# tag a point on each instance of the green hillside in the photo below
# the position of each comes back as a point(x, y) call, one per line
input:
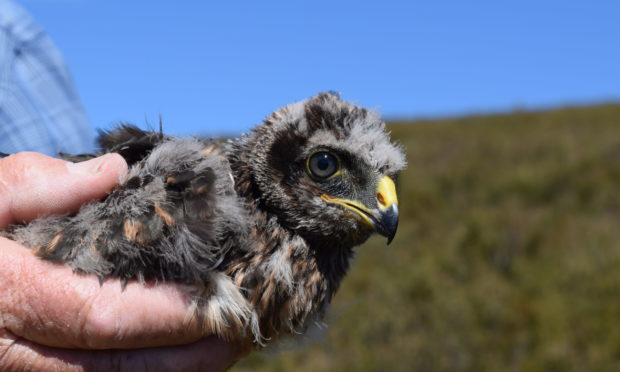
point(507, 257)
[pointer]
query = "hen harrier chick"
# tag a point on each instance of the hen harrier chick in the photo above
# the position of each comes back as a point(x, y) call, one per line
point(262, 227)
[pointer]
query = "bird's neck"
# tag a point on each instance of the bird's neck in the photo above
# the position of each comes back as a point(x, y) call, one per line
point(289, 281)
point(289, 278)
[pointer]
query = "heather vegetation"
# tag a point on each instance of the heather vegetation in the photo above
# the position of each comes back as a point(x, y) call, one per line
point(507, 256)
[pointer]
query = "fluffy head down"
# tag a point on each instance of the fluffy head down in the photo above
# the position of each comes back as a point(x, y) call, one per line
point(327, 120)
point(276, 154)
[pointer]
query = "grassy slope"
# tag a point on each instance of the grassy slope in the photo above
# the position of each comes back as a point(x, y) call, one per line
point(507, 259)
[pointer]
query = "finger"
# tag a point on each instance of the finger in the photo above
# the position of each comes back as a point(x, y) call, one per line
point(34, 185)
point(50, 305)
point(209, 354)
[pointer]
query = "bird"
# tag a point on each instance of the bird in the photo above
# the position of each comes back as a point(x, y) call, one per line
point(260, 229)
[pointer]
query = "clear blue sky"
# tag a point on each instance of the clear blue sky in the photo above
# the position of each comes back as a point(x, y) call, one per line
point(214, 67)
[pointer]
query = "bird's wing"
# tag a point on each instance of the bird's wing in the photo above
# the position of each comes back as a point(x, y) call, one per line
point(167, 220)
point(131, 142)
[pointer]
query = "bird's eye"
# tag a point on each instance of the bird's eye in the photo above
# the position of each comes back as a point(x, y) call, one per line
point(323, 164)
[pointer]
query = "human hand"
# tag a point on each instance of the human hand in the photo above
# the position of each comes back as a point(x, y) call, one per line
point(54, 319)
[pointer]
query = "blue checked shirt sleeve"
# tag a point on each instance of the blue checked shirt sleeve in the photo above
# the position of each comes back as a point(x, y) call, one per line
point(39, 107)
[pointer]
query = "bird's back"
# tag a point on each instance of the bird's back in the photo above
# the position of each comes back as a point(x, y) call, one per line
point(164, 221)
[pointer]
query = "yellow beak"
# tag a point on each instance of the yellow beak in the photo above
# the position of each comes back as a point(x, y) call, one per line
point(383, 219)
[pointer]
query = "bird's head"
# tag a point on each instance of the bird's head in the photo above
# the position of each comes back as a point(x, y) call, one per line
point(327, 169)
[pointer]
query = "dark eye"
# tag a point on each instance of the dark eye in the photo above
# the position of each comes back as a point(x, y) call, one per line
point(322, 164)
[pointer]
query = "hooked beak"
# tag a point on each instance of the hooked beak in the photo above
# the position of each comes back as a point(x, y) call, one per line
point(384, 218)
point(388, 222)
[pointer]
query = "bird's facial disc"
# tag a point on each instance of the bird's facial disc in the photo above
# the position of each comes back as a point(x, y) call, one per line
point(384, 218)
point(366, 195)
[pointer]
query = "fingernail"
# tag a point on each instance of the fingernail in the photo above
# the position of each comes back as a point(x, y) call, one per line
point(92, 166)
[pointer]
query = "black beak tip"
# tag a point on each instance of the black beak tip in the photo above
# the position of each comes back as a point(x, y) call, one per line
point(392, 233)
point(389, 223)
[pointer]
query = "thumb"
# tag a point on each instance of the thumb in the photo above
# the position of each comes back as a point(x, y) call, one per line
point(34, 185)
